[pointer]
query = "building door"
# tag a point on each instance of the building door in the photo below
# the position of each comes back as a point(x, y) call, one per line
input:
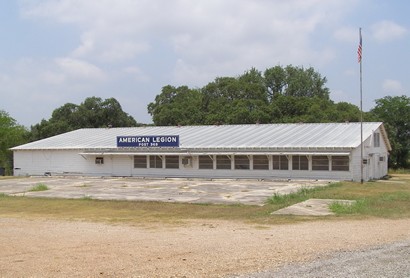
point(366, 166)
point(375, 164)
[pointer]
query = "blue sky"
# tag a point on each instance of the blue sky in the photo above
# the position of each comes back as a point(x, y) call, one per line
point(57, 51)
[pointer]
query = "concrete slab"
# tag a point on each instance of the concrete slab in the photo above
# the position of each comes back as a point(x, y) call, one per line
point(223, 191)
point(312, 207)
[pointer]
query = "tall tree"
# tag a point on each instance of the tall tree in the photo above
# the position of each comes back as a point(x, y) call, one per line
point(275, 81)
point(240, 100)
point(395, 113)
point(280, 94)
point(217, 99)
point(94, 112)
point(11, 135)
point(176, 106)
point(296, 82)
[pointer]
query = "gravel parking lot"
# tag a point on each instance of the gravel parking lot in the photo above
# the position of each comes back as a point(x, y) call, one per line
point(198, 248)
point(386, 260)
point(203, 248)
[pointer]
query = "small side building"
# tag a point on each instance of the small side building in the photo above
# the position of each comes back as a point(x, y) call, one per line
point(262, 151)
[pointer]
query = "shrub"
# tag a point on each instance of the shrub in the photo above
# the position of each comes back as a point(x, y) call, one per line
point(39, 187)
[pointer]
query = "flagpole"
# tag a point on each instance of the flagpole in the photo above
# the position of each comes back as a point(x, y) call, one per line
point(361, 107)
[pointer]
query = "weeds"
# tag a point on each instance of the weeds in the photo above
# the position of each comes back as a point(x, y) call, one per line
point(354, 208)
point(83, 185)
point(39, 187)
point(399, 171)
point(301, 195)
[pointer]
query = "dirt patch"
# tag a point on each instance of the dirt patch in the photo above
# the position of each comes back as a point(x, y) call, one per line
point(199, 249)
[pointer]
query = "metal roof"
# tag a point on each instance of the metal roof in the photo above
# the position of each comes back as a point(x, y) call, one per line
point(256, 136)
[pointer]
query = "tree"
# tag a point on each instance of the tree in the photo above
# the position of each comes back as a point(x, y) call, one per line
point(289, 109)
point(295, 81)
point(218, 97)
point(177, 106)
point(280, 94)
point(241, 100)
point(345, 112)
point(92, 113)
point(275, 81)
point(321, 110)
point(395, 113)
point(11, 135)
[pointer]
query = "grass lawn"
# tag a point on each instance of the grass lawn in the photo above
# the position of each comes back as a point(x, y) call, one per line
point(386, 198)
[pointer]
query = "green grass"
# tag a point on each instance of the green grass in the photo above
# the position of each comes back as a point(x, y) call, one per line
point(301, 195)
point(386, 199)
point(399, 171)
point(356, 208)
point(387, 205)
point(39, 187)
point(9, 177)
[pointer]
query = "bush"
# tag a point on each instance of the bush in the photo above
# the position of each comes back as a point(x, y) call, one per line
point(39, 187)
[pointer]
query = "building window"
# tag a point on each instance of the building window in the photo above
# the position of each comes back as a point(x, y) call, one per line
point(223, 162)
point(280, 162)
point(340, 163)
point(242, 162)
point(172, 162)
point(260, 162)
point(300, 162)
point(140, 161)
point(381, 159)
point(205, 162)
point(376, 139)
point(186, 161)
point(320, 163)
point(99, 160)
point(155, 161)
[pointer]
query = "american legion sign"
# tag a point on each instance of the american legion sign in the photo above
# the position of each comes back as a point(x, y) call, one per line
point(148, 141)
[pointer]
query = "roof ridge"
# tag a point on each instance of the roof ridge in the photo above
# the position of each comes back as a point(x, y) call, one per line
point(230, 125)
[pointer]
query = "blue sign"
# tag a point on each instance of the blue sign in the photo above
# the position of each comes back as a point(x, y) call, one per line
point(148, 141)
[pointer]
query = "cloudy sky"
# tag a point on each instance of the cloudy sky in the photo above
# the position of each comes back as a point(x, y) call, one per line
point(57, 51)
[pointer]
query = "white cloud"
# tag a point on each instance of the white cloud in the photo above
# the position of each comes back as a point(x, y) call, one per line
point(208, 37)
point(86, 46)
point(347, 34)
point(110, 50)
point(52, 77)
point(134, 47)
point(350, 72)
point(79, 69)
point(391, 86)
point(136, 73)
point(120, 51)
point(4, 78)
point(387, 30)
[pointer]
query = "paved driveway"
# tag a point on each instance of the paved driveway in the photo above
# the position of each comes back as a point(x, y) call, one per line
point(218, 191)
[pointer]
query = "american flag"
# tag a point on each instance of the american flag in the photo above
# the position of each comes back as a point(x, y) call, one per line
point(359, 50)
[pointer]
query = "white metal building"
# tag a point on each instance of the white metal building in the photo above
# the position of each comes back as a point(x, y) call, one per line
point(273, 151)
